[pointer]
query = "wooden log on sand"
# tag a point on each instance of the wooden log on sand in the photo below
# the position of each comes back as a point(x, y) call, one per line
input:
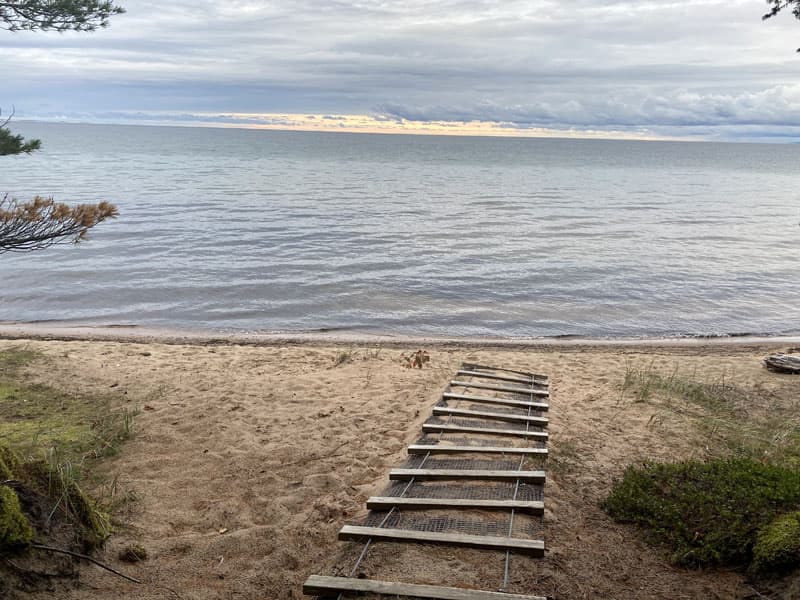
point(783, 363)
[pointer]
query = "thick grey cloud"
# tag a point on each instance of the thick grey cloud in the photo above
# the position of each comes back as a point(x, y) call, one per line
point(700, 67)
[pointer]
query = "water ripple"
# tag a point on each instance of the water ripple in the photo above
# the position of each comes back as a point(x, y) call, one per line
point(250, 230)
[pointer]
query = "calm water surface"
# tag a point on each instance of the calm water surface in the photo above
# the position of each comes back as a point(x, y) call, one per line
point(241, 230)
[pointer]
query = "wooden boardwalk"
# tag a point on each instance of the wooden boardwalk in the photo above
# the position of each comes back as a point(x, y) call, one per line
point(486, 418)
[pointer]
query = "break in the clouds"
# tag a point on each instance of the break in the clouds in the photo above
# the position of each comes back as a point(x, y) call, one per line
point(700, 68)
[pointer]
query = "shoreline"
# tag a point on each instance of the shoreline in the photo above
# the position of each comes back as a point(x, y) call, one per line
point(136, 333)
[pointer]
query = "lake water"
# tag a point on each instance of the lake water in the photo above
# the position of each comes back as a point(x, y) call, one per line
point(242, 230)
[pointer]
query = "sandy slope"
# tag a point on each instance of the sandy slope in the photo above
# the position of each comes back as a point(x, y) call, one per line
point(276, 448)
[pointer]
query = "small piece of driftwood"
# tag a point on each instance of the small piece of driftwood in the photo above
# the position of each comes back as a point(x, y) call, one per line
point(86, 558)
point(783, 363)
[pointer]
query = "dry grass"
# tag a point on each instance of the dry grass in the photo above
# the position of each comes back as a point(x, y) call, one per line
point(735, 419)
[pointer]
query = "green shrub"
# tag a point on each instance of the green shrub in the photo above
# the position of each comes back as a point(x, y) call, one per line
point(8, 462)
point(777, 546)
point(15, 530)
point(706, 513)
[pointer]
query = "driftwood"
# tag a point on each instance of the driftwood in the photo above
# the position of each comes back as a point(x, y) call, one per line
point(783, 363)
point(84, 557)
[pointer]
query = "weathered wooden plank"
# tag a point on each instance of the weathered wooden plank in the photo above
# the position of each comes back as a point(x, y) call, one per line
point(441, 449)
point(436, 427)
point(499, 388)
point(476, 367)
point(387, 502)
point(354, 532)
point(493, 400)
point(475, 474)
point(320, 584)
point(483, 375)
point(480, 414)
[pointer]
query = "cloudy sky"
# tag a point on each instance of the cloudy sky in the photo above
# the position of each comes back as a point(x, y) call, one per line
point(684, 68)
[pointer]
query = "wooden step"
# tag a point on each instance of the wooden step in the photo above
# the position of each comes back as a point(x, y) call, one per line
point(479, 414)
point(499, 388)
point(439, 449)
point(353, 532)
point(435, 427)
point(509, 378)
point(319, 584)
point(387, 502)
point(493, 400)
point(474, 474)
point(483, 368)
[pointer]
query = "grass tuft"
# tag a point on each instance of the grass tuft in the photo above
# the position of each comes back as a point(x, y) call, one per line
point(352, 354)
point(345, 356)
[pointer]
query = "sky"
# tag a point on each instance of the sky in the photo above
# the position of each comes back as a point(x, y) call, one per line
point(700, 69)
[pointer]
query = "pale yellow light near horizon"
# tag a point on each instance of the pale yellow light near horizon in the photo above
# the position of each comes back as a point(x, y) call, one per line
point(389, 125)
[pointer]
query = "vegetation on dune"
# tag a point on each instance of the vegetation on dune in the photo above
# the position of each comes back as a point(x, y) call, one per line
point(35, 418)
point(8, 463)
point(707, 513)
point(738, 505)
point(777, 546)
point(15, 529)
point(734, 420)
point(49, 443)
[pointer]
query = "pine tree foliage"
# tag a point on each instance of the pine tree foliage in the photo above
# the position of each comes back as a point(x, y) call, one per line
point(56, 15)
point(776, 6)
point(43, 222)
point(15, 144)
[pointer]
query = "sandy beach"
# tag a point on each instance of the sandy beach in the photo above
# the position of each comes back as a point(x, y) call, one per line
point(249, 457)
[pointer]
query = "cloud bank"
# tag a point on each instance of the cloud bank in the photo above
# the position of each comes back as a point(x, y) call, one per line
point(698, 68)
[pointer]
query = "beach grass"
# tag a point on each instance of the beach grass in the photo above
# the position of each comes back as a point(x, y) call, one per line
point(734, 419)
point(35, 418)
point(51, 441)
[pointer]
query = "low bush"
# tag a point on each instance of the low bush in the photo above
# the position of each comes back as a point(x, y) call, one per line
point(777, 546)
point(707, 513)
point(15, 530)
point(8, 462)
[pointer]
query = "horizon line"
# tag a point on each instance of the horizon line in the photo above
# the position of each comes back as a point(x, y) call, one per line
point(346, 123)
